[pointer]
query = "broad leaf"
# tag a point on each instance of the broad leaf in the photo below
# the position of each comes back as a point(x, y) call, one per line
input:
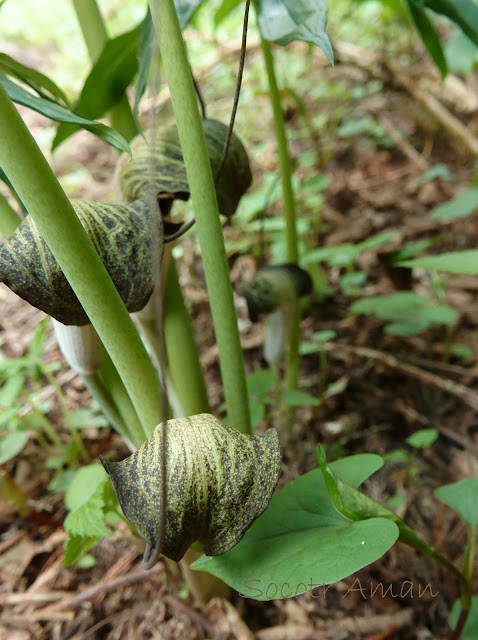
point(454, 262)
point(298, 398)
point(422, 438)
point(388, 306)
point(58, 113)
point(428, 34)
point(12, 444)
point(470, 631)
point(42, 84)
point(185, 10)
point(283, 21)
point(358, 507)
point(458, 207)
point(86, 481)
point(462, 496)
point(464, 13)
point(301, 541)
point(224, 10)
point(75, 546)
point(107, 81)
point(88, 520)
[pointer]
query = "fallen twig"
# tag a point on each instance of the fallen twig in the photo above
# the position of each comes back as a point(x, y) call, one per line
point(466, 395)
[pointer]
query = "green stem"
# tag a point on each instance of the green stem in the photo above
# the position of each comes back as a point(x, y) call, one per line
point(37, 186)
point(201, 184)
point(104, 398)
point(285, 168)
point(95, 35)
point(181, 349)
point(111, 379)
point(9, 219)
point(285, 164)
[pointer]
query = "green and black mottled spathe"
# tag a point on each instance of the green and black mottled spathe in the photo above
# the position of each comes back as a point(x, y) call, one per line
point(121, 234)
point(274, 286)
point(218, 482)
point(158, 161)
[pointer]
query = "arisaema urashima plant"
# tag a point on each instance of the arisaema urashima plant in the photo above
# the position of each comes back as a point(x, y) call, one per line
point(190, 478)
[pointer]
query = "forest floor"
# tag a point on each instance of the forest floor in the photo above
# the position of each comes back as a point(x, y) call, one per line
point(379, 388)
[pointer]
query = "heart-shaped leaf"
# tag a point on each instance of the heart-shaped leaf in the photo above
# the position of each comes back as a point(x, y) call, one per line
point(301, 540)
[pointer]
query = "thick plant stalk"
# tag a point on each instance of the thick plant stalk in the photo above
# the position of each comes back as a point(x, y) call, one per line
point(285, 166)
point(204, 199)
point(37, 186)
point(95, 35)
point(183, 363)
point(110, 380)
point(9, 220)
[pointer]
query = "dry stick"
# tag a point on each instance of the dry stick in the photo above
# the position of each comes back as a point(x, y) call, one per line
point(402, 143)
point(93, 592)
point(466, 395)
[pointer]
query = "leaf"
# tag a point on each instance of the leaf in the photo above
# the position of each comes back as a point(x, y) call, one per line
point(462, 497)
point(388, 306)
point(357, 506)
point(75, 546)
point(42, 84)
point(58, 113)
point(422, 438)
point(88, 520)
point(455, 262)
point(11, 389)
point(107, 81)
point(147, 38)
point(464, 13)
point(459, 207)
point(470, 631)
point(377, 240)
point(12, 444)
point(84, 484)
point(298, 398)
point(461, 53)
point(224, 10)
point(185, 10)
point(428, 34)
point(301, 541)
point(283, 21)
point(260, 382)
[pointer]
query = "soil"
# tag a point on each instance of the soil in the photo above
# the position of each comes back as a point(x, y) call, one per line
point(380, 389)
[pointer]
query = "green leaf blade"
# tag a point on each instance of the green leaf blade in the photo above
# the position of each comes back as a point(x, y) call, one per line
point(458, 207)
point(107, 81)
point(283, 21)
point(462, 497)
point(465, 262)
point(301, 541)
point(58, 113)
point(12, 444)
point(428, 35)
